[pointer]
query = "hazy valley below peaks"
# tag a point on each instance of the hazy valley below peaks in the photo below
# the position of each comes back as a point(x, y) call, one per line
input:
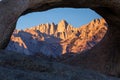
point(56, 39)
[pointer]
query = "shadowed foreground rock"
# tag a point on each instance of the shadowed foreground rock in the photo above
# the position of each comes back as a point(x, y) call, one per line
point(20, 67)
point(106, 53)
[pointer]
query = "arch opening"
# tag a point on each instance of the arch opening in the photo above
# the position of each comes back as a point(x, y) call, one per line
point(56, 32)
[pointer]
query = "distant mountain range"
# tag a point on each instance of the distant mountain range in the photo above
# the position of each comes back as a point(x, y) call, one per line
point(57, 39)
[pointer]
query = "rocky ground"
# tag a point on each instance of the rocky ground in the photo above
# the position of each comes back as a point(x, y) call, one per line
point(21, 67)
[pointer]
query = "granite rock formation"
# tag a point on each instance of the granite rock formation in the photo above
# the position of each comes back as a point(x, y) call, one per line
point(14, 66)
point(109, 47)
point(55, 40)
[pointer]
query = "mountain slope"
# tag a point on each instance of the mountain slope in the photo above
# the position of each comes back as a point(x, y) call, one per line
point(57, 39)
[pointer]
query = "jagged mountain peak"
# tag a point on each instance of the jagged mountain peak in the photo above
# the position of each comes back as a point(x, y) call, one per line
point(62, 26)
point(98, 22)
point(63, 22)
point(52, 39)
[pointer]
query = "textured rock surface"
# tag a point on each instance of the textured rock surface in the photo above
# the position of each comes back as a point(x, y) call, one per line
point(14, 66)
point(55, 40)
point(107, 51)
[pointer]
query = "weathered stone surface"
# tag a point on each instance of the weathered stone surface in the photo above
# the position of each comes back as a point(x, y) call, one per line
point(107, 51)
point(14, 66)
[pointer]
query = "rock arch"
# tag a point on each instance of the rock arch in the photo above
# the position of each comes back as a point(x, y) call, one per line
point(107, 52)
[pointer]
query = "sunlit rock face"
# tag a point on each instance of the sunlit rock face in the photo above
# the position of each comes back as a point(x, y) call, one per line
point(88, 35)
point(55, 40)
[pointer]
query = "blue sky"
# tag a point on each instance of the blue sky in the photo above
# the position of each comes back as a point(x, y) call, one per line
point(75, 17)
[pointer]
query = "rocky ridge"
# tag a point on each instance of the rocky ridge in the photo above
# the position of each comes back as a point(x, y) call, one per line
point(57, 39)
